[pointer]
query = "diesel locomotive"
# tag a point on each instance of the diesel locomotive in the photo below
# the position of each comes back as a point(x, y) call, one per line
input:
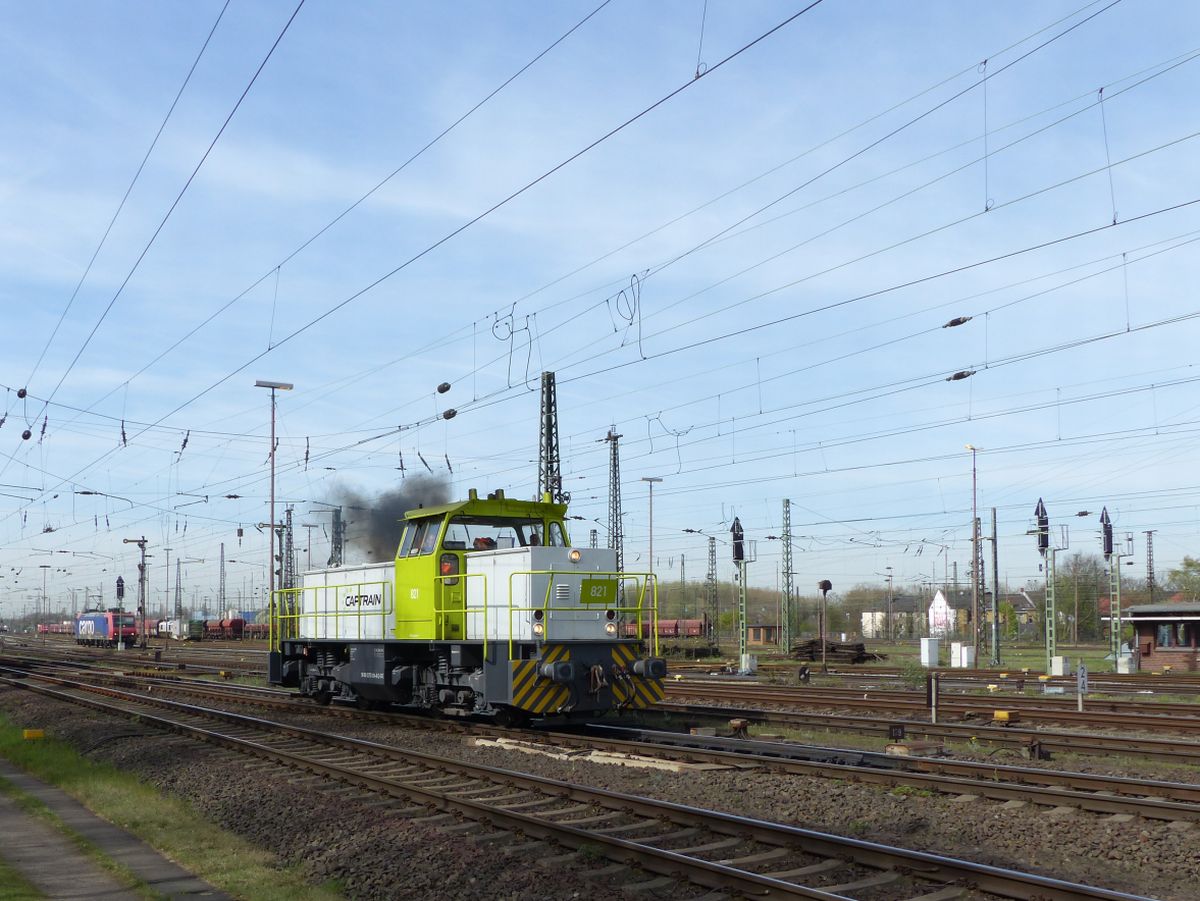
point(487, 609)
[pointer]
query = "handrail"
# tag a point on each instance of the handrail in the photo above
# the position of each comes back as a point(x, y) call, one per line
point(643, 580)
point(284, 613)
point(465, 610)
point(286, 610)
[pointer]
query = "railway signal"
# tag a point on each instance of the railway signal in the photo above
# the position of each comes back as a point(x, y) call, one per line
point(1043, 528)
point(141, 543)
point(738, 542)
point(824, 586)
point(1113, 556)
point(1047, 551)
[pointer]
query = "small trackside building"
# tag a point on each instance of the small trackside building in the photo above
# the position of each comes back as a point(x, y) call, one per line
point(1166, 635)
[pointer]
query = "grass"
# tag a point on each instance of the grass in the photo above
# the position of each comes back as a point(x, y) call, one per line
point(36, 808)
point(13, 886)
point(166, 823)
point(1014, 656)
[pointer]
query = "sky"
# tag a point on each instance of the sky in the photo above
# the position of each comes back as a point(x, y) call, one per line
point(737, 233)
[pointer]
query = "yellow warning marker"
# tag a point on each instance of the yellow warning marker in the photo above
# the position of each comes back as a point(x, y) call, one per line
point(1004, 717)
point(33, 734)
point(1004, 675)
point(1043, 678)
point(993, 687)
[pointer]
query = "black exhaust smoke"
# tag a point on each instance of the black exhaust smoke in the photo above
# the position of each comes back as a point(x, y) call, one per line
point(374, 524)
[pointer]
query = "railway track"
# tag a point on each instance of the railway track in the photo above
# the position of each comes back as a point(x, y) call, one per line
point(718, 851)
point(240, 661)
point(1156, 717)
point(1032, 743)
point(1102, 681)
point(1152, 799)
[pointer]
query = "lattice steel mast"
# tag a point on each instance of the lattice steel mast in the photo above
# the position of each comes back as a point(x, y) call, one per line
point(1150, 562)
point(786, 595)
point(616, 533)
point(710, 590)
point(549, 457)
point(289, 550)
point(337, 538)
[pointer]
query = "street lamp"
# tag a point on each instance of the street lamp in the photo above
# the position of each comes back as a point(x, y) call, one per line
point(975, 573)
point(890, 603)
point(45, 567)
point(651, 480)
point(274, 386)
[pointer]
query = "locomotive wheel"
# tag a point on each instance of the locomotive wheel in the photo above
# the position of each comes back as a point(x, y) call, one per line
point(323, 698)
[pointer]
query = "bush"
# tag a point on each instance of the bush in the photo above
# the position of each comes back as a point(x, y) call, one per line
point(912, 674)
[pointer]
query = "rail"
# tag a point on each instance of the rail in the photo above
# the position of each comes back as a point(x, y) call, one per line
point(629, 828)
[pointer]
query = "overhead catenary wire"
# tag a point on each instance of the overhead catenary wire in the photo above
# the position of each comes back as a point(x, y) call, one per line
point(304, 245)
point(478, 217)
point(487, 462)
point(125, 197)
point(166, 216)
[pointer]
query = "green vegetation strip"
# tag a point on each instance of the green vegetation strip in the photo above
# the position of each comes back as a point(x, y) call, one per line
point(13, 886)
point(168, 824)
point(36, 808)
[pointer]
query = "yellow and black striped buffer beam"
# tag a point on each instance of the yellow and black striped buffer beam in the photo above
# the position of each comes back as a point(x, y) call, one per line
point(632, 690)
point(535, 693)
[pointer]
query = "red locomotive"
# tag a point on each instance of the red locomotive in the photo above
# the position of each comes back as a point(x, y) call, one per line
point(106, 628)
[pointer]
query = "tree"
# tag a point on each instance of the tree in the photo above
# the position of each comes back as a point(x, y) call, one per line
point(1008, 619)
point(1080, 580)
point(1186, 578)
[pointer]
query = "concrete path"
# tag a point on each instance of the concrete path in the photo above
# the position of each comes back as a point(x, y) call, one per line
point(55, 865)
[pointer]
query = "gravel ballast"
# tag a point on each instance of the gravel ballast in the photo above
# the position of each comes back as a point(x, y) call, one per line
point(375, 854)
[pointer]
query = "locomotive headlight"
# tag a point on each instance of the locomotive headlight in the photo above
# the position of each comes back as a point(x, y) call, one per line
point(539, 629)
point(610, 628)
point(575, 555)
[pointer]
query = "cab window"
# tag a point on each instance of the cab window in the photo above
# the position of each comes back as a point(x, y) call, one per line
point(420, 538)
point(481, 533)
